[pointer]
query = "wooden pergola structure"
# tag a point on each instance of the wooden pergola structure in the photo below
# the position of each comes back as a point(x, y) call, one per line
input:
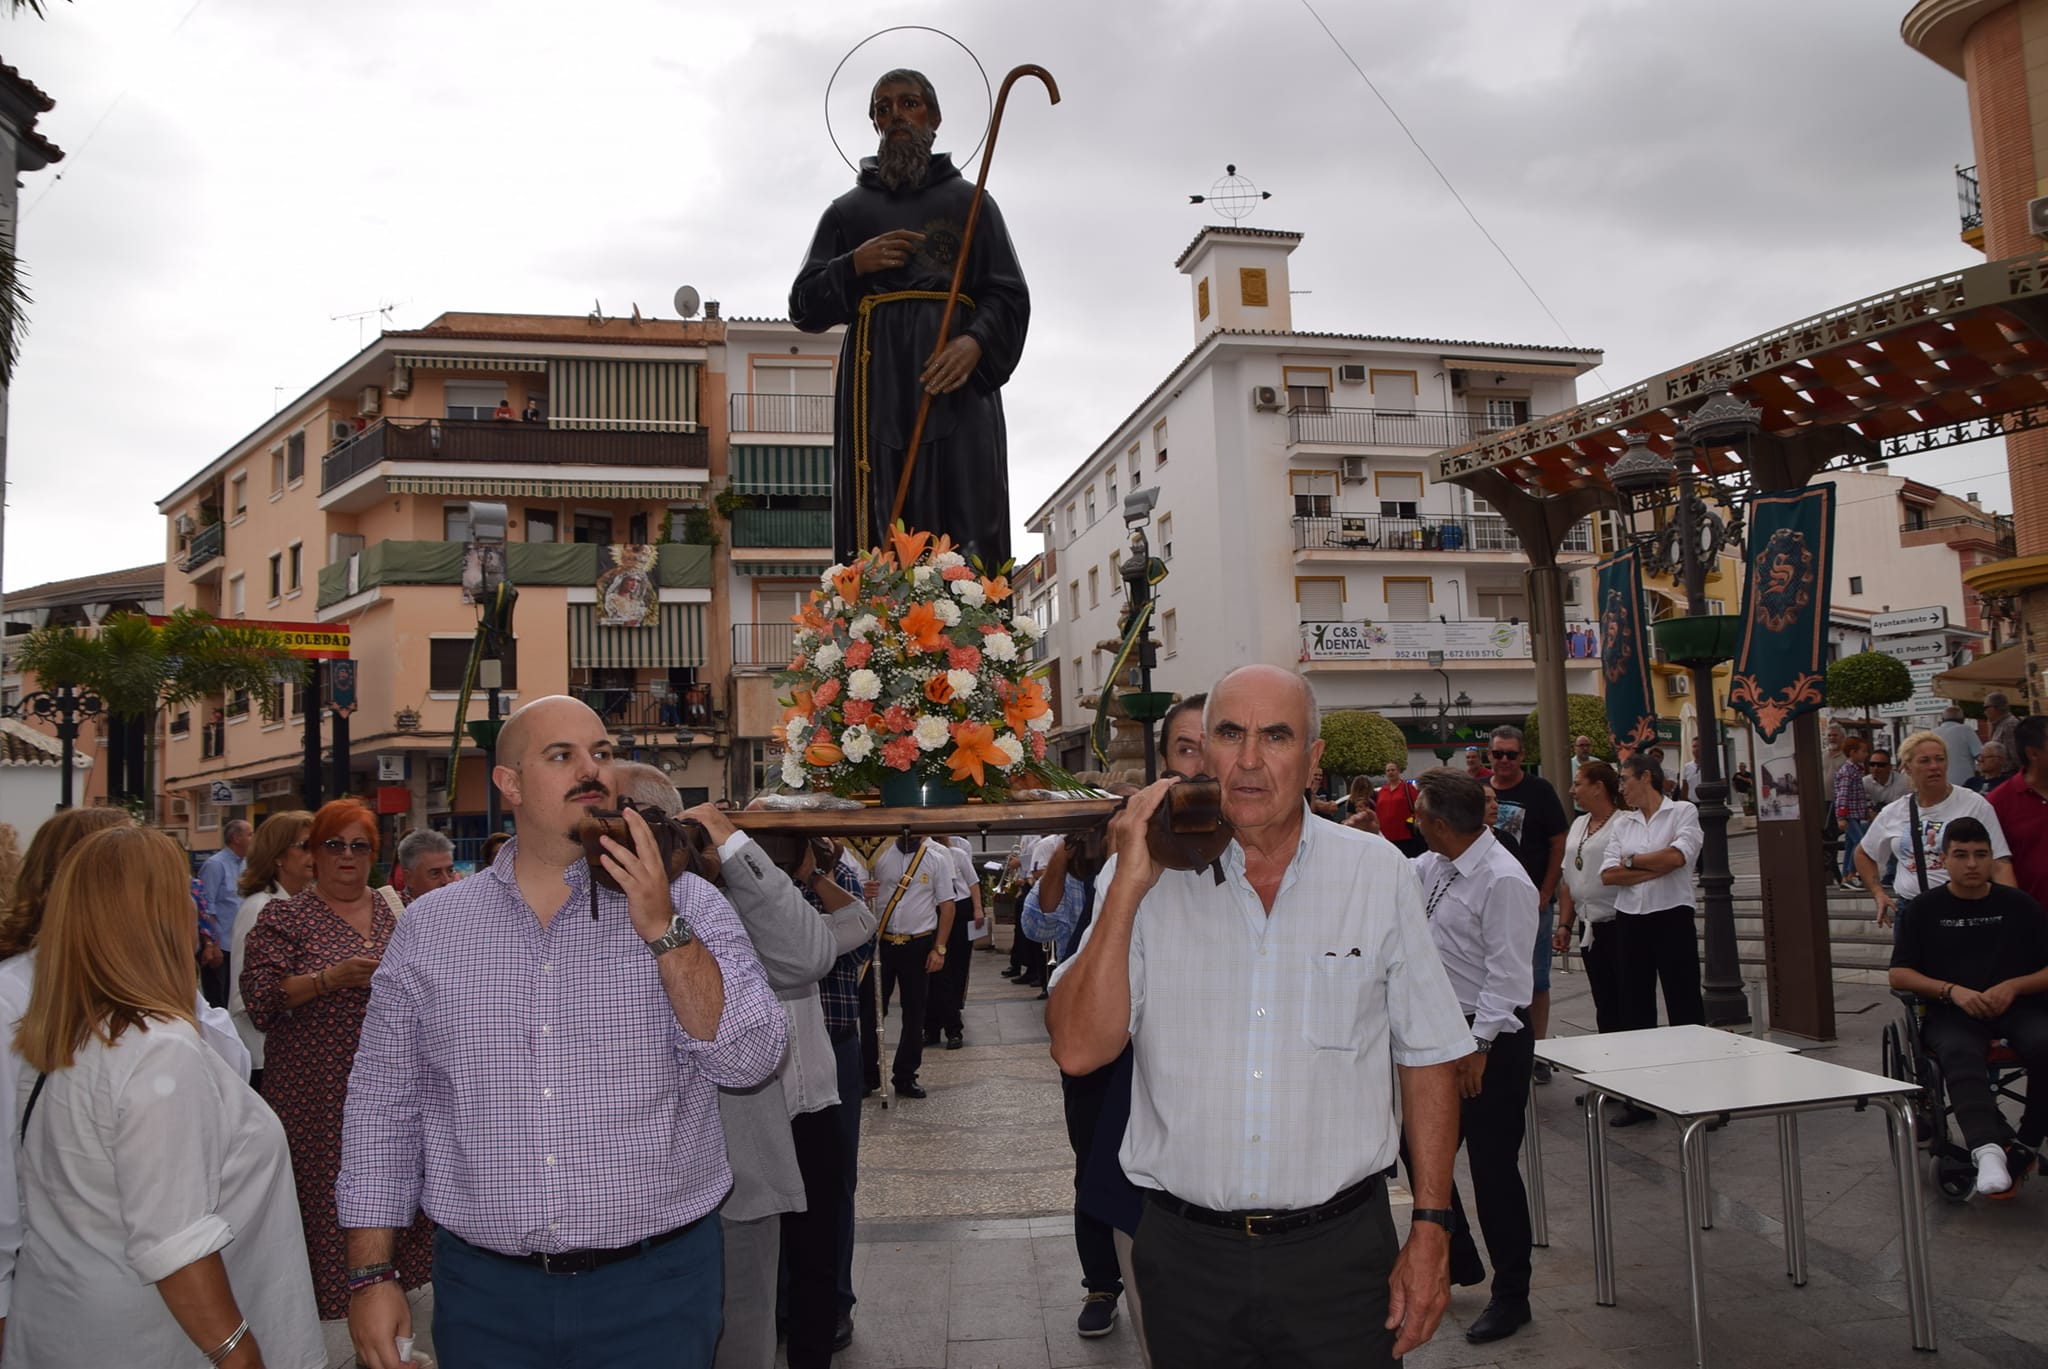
point(1957, 358)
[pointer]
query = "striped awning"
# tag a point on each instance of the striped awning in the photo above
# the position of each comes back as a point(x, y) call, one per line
point(677, 639)
point(437, 361)
point(1513, 368)
point(483, 487)
point(624, 396)
point(781, 470)
point(784, 569)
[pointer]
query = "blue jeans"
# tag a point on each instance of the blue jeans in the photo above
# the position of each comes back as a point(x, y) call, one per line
point(1852, 836)
point(662, 1308)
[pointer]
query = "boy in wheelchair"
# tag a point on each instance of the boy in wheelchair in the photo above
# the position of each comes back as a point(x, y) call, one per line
point(1978, 953)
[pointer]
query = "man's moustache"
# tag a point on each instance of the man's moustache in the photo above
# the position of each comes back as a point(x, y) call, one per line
point(597, 789)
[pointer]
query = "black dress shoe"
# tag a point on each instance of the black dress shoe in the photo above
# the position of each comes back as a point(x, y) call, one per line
point(1631, 1115)
point(1501, 1319)
point(1466, 1268)
point(842, 1330)
point(955, 1041)
point(931, 1038)
point(1012, 972)
point(909, 1091)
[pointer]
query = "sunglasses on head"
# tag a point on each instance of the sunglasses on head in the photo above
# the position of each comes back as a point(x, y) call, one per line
point(1507, 755)
point(357, 847)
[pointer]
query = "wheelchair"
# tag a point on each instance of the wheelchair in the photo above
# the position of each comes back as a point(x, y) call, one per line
point(1907, 1059)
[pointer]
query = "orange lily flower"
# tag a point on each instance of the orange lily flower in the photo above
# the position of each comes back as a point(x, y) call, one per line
point(938, 690)
point(997, 589)
point(922, 626)
point(847, 582)
point(1028, 701)
point(943, 545)
point(974, 747)
point(908, 546)
point(801, 706)
point(824, 753)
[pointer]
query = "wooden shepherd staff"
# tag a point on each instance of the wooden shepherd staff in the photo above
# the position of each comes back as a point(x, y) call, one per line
point(924, 404)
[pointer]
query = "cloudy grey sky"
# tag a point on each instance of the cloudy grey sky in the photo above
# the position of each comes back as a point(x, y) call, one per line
point(241, 170)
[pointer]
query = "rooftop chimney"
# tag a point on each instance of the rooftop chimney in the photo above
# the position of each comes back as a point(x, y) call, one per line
point(1239, 278)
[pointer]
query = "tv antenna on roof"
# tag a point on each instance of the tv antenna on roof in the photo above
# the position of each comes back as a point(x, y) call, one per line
point(382, 311)
point(688, 301)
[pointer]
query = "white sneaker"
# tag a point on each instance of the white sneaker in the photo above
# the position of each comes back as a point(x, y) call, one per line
point(1992, 1175)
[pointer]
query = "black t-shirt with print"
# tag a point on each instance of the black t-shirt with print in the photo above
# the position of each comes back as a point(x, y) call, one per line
point(1531, 814)
point(1972, 942)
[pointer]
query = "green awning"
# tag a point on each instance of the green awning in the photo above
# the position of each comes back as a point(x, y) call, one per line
point(486, 487)
point(781, 470)
point(432, 361)
point(626, 396)
point(676, 639)
point(781, 570)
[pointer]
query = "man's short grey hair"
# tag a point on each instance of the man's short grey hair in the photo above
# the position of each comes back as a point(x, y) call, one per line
point(644, 783)
point(1952, 714)
point(1308, 701)
point(236, 828)
point(416, 846)
point(1452, 796)
point(1506, 732)
point(1993, 749)
point(1997, 700)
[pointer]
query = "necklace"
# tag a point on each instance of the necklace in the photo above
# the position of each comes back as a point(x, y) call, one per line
point(1436, 895)
point(1579, 856)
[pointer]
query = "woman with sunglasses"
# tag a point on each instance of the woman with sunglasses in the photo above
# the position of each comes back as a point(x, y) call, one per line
point(280, 864)
point(306, 980)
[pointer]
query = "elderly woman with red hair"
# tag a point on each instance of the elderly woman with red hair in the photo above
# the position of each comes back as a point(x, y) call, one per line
point(306, 981)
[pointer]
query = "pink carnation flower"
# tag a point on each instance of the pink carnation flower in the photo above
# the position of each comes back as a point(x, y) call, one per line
point(959, 573)
point(858, 654)
point(964, 658)
point(900, 754)
point(858, 711)
point(826, 693)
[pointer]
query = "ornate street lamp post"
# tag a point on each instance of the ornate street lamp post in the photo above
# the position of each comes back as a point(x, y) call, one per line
point(1441, 718)
point(65, 706)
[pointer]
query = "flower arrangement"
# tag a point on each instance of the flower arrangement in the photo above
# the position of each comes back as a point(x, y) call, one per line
point(907, 664)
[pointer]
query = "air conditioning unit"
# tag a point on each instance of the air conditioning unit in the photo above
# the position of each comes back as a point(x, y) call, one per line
point(372, 401)
point(342, 545)
point(341, 431)
point(1266, 398)
point(1354, 470)
point(401, 381)
point(1351, 375)
point(1679, 686)
point(2037, 217)
point(187, 525)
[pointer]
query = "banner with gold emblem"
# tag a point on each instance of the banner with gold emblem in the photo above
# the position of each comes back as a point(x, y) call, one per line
point(1781, 667)
point(1624, 654)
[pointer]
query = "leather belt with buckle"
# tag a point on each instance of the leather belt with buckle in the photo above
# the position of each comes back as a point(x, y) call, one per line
point(1275, 1223)
point(904, 938)
point(585, 1261)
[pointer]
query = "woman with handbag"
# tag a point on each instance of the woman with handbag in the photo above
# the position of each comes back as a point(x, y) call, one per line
point(1909, 830)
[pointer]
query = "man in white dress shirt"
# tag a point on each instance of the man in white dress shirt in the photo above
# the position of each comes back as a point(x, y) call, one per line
point(1649, 858)
point(1483, 917)
point(1271, 1014)
point(913, 892)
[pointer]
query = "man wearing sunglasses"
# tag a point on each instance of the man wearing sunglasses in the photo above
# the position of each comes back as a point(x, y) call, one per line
point(1532, 815)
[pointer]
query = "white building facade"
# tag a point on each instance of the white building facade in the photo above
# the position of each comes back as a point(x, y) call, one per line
point(1296, 514)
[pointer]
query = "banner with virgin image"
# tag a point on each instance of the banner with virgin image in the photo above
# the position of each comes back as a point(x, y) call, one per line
point(1624, 653)
point(1781, 666)
point(628, 591)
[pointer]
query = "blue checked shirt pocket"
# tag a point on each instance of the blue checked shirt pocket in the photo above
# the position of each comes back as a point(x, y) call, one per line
point(1334, 991)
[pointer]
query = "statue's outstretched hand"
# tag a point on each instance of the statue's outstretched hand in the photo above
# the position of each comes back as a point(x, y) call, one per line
point(885, 251)
point(949, 370)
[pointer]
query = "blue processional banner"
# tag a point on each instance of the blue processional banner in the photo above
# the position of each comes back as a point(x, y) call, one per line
point(1624, 655)
point(1781, 666)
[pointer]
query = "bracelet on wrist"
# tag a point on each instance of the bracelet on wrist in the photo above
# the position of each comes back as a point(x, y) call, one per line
point(227, 1347)
point(320, 983)
point(359, 1279)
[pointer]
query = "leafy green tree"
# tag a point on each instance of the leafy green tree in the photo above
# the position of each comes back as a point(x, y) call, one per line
point(1356, 742)
point(1587, 714)
point(1867, 679)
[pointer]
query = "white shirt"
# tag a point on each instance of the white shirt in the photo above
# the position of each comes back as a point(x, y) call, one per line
point(1891, 834)
point(1675, 823)
point(917, 912)
point(1265, 1044)
point(238, 1011)
point(1584, 854)
point(140, 1158)
point(965, 878)
point(1482, 916)
point(1963, 750)
point(1689, 780)
point(1038, 856)
point(17, 980)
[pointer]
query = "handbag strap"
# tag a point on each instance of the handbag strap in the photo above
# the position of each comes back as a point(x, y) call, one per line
point(1919, 841)
point(902, 887)
point(42, 1077)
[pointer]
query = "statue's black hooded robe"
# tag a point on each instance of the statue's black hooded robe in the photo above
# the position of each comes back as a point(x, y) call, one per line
point(961, 484)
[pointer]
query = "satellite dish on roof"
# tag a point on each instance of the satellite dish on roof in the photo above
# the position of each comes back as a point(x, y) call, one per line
point(687, 301)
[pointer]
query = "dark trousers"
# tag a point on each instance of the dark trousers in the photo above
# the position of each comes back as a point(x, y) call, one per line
point(1601, 955)
point(903, 968)
point(1490, 1128)
point(1962, 1042)
point(848, 1051)
point(1029, 958)
point(660, 1308)
point(811, 1238)
point(1220, 1299)
point(214, 981)
point(1094, 1239)
point(1660, 947)
point(949, 986)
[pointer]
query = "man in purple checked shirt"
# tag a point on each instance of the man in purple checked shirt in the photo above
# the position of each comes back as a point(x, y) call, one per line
point(539, 1072)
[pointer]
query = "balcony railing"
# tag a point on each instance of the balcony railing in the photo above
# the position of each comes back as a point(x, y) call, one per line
point(512, 444)
point(1969, 203)
point(763, 644)
point(752, 413)
point(782, 527)
point(650, 708)
point(1431, 428)
point(206, 544)
point(1372, 532)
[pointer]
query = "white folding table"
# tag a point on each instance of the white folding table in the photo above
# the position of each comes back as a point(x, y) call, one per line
point(1780, 1085)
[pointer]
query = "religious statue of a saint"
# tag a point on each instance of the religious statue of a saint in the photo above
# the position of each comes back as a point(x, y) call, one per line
point(882, 263)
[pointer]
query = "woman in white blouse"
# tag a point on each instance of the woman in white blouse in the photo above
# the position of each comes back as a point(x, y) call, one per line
point(1581, 897)
point(162, 1225)
point(280, 864)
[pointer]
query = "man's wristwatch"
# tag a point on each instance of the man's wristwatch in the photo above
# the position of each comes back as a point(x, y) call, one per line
point(1442, 1216)
point(1481, 1044)
point(679, 934)
point(1628, 861)
point(939, 951)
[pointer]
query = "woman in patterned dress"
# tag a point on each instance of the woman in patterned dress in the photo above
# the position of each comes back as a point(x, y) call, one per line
point(306, 982)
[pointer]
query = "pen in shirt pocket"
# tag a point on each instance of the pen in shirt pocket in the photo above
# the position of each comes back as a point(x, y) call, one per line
point(1347, 955)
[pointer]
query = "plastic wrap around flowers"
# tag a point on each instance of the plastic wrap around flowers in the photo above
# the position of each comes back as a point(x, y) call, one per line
point(907, 664)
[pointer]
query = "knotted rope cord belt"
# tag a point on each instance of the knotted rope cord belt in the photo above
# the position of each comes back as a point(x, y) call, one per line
point(862, 356)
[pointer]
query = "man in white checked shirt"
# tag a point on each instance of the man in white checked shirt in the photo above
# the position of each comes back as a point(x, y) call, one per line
point(1270, 1016)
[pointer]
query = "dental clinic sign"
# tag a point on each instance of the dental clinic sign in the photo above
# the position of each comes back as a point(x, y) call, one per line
point(1370, 641)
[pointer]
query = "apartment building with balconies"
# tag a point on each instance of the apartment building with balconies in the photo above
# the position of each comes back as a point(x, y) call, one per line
point(1296, 514)
point(351, 505)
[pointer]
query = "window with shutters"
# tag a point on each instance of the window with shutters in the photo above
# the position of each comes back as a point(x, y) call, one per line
point(1394, 390)
point(1166, 537)
point(1321, 598)
point(1397, 508)
point(1169, 631)
point(294, 567)
point(1313, 491)
point(1090, 497)
point(1308, 388)
point(276, 576)
point(1408, 599)
point(1116, 573)
point(295, 458)
point(1506, 413)
point(1073, 598)
point(473, 398)
point(1401, 486)
point(1094, 586)
point(1159, 443)
point(1500, 605)
point(1109, 486)
point(448, 662)
point(455, 522)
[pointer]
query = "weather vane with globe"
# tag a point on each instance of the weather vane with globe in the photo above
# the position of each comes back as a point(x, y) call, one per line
point(1233, 196)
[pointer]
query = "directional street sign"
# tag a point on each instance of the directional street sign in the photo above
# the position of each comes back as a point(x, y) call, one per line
point(1930, 619)
point(1914, 648)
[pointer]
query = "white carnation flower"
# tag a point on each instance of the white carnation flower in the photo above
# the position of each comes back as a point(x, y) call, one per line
point(1043, 722)
point(921, 575)
point(948, 612)
point(827, 656)
point(793, 774)
point(825, 580)
point(999, 646)
point(970, 593)
point(946, 560)
point(931, 732)
point(794, 731)
point(962, 682)
point(858, 743)
point(860, 627)
point(864, 684)
point(1025, 628)
point(1010, 747)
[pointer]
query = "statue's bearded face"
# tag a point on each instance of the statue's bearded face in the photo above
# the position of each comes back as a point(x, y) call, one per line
point(907, 124)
